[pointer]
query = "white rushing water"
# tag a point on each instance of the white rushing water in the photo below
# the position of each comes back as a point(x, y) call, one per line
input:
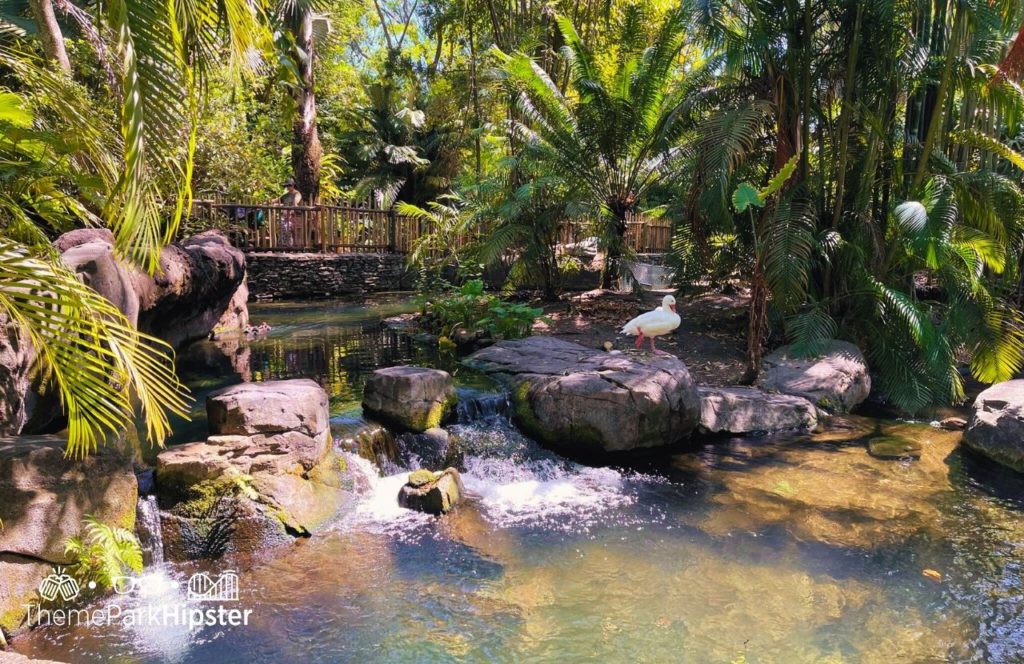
point(150, 533)
point(510, 479)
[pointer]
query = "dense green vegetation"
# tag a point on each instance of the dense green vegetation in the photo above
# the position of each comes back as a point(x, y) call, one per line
point(887, 134)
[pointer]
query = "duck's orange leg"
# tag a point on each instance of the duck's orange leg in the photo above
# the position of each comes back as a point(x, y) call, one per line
point(639, 337)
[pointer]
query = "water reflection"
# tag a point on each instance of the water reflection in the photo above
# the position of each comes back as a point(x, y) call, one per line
point(335, 343)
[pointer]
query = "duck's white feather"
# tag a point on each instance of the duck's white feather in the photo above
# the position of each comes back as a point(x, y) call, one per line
point(653, 323)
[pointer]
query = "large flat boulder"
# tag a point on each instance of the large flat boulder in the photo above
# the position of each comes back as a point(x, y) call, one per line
point(44, 498)
point(413, 398)
point(996, 426)
point(743, 410)
point(268, 473)
point(837, 380)
point(586, 401)
point(271, 407)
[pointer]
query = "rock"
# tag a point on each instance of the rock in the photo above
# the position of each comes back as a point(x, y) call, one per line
point(951, 424)
point(836, 381)
point(44, 498)
point(199, 287)
point(429, 448)
point(741, 410)
point(267, 474)
point(414, 398)
point(265, 408)
point(894, 447)
point(16, 357)
point(99, 268)
point(585, 401)
point(196, 290)
point(430, 492)
point(15, 658)
point(996, 426)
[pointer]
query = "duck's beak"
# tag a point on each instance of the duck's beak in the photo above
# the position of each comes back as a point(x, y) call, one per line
point(672, 307)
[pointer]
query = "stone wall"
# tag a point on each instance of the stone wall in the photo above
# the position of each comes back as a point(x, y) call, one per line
point(324, 275)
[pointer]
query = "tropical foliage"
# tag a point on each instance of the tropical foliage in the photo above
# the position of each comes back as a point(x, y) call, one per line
point(471, 312)
point(855, 167)
point(103, 554)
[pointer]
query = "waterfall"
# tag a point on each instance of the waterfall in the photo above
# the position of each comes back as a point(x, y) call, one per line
point(368, 439)
point(147, 526)
point(474, 406)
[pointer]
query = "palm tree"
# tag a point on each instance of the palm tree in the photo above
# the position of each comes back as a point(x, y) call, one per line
point(65, 169)
point(835, 255)
point(398, 154)
point(617, 134)
point(299, 22)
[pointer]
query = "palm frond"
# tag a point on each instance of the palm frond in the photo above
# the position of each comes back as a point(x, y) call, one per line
point(99, 362)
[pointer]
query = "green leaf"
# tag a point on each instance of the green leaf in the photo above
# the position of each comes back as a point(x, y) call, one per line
point(13, 110)
point(775, 184)
point(745, 196)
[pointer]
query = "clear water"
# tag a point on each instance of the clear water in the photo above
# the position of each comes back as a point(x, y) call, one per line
point(785, 549)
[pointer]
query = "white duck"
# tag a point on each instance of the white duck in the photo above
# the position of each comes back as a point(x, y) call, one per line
point(655, 323)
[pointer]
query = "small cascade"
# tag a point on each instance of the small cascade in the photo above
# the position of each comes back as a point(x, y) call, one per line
point(474, 406)
point(367, 439)
point(364, 474)
point(147, 527)
point(509, 478)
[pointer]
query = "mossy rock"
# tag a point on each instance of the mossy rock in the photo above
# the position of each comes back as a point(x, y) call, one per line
point(419, 478)
point(433, 493)
point(411, 398)
point(894, 447)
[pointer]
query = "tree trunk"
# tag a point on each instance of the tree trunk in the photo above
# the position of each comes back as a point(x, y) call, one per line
point(50, 34)
point(306, 149)
point(613, 257)
point(757, 322)
point(939, 114)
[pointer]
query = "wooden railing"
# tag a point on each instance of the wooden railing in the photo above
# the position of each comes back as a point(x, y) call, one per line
point(342, 229)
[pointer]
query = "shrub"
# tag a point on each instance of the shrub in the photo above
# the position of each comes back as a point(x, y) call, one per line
point(473, 311)
point(103, 554)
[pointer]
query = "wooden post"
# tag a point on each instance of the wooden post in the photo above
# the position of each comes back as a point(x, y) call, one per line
point(392, 229)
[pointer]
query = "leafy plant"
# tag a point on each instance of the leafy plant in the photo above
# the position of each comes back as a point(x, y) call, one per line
point(472, 311)
point(510, 320)
point(103, 554)
point(614, 135)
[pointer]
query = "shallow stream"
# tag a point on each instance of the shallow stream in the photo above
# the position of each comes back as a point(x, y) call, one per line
point(778, 549)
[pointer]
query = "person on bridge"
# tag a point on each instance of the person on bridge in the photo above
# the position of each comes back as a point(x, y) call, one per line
point(292, 197)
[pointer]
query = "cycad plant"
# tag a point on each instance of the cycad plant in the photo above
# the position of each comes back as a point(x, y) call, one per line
point(616, 132)
point(399, 155)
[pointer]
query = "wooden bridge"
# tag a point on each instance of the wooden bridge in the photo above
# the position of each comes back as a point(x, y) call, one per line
point(368, 229)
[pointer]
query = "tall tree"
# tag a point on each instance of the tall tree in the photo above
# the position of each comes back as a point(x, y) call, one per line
point(50, 34)
point(307, 152)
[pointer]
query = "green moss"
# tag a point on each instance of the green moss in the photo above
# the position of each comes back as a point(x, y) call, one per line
point(202, 499)
point(436, 416)
point(524, 414)
point(421, 477)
